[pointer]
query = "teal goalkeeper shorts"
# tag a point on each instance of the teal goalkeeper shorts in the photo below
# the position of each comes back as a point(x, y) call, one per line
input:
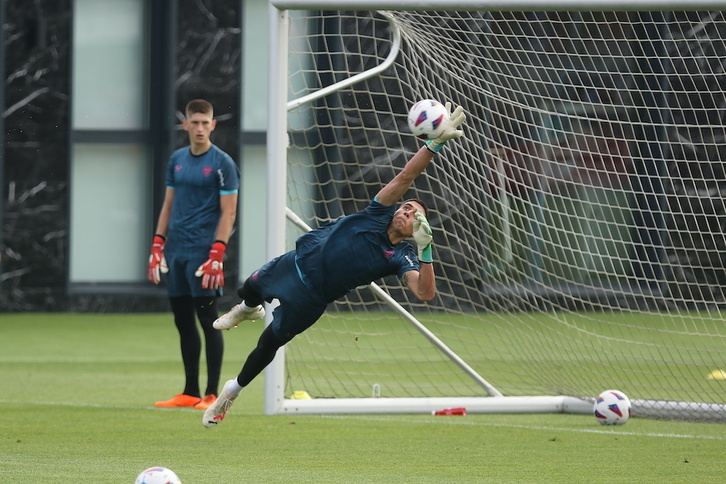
point(299, 308)
point(181, 281)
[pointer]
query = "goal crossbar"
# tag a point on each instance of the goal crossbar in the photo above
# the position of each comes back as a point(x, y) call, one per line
point(501, 5)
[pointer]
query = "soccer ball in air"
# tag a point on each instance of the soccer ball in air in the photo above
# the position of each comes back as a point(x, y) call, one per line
point(612, 407)
point(426, 119)
point(157, 475)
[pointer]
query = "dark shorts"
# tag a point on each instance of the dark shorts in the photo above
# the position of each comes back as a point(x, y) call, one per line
point(299, 308)
point(181, 280)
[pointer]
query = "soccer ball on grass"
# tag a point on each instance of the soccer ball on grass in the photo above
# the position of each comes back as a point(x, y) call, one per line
point(612, 407)
point(426, 119)
point(157, 475)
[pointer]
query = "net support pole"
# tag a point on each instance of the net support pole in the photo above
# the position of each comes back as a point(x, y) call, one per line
point(276, 182)
point(493, 392)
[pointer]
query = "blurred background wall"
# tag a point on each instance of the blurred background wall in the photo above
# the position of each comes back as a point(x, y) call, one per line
point(93, 97)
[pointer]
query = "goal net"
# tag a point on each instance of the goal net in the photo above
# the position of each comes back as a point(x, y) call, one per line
point(578, 226)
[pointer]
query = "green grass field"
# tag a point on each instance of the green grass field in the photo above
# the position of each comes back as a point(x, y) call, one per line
point(77, 407)
point(649, 356)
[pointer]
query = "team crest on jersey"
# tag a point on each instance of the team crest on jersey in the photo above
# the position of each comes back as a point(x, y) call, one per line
point(388, 254)
point(207, 170)
point(178, 168)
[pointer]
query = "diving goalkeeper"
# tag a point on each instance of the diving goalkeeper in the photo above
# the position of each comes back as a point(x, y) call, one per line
point(332, 260)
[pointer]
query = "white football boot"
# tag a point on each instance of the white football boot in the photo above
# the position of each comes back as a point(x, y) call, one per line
point(238, 314)
point(216, 411)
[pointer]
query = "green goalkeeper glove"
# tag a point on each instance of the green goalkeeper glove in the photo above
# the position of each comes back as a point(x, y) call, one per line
point(423, 236)
point(451, 131)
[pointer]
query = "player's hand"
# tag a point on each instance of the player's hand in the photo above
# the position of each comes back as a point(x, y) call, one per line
point(212, 271)
point(423, 236)
point(157, 262)
point(452, 129)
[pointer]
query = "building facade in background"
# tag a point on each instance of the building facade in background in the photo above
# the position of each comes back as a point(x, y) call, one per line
point(92, 104)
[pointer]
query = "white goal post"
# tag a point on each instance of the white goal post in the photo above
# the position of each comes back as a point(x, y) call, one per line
point(578, 234)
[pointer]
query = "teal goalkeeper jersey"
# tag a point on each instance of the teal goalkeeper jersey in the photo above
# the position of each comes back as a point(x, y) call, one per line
point(352, 251)
point(198, 182)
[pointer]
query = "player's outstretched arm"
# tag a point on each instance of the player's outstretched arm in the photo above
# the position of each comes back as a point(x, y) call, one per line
point(400, 184)
point(397, 188)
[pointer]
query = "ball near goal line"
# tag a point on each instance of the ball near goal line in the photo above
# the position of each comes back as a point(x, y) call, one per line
point(612, 407)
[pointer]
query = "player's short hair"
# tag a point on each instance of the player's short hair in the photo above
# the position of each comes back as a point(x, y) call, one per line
point(201, 106)
point(420, 202)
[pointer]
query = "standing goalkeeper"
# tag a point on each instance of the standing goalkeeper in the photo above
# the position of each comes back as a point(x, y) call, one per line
point(195, 223)
point(334, 259)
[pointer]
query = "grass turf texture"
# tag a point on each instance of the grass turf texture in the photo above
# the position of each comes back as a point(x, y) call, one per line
point(649, 356)
point(77, 407)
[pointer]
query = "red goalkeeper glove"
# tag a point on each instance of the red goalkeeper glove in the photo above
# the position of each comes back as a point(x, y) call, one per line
point(157, 262)
point(212, 271)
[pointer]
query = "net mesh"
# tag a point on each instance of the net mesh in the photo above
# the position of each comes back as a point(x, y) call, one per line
point(578, 225)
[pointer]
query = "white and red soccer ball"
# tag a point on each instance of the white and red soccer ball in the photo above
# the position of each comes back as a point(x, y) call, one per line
point(426, 119)
point(157, 475)
point(612, 407)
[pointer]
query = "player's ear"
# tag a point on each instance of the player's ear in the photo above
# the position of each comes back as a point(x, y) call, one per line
point(214, 124)
point(185, 125)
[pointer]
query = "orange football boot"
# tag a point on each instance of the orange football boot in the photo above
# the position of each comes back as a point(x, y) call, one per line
point(180, 400)
point(206, 401)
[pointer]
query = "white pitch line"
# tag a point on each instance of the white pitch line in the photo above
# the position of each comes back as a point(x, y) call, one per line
point(95, 405)
point(446, 421)
point(458, 421)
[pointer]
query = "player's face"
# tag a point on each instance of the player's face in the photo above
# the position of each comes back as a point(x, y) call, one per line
point(200, 127)
point(405, 216)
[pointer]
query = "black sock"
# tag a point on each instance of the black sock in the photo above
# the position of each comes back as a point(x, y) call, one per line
point(260, 357)
point(189, 340)
point(213, 341)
